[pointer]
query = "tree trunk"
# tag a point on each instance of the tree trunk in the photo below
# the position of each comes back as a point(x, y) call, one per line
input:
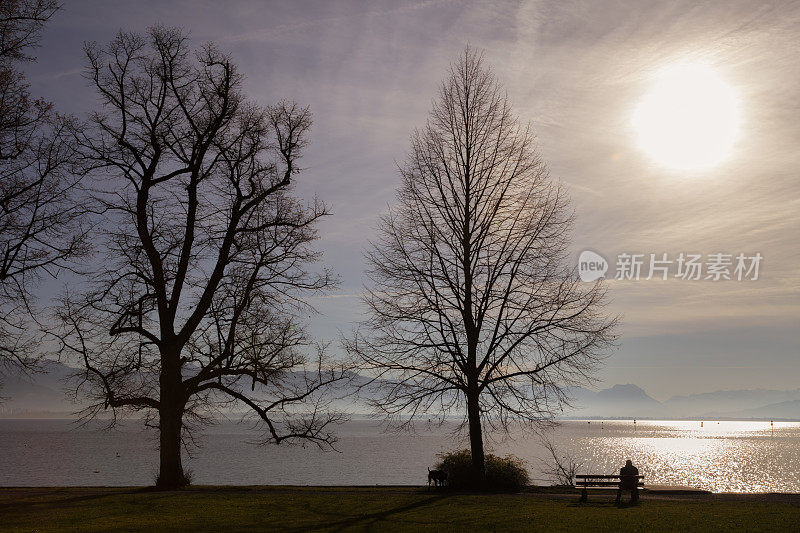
point(475, 434)
point(170, 474)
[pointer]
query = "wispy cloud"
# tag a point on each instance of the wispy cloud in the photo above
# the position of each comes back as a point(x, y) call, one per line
point(576, 70)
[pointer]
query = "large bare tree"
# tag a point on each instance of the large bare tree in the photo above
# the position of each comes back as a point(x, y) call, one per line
point(21, 25)
point(472, 308)
point(199, 303)
point(40, 231)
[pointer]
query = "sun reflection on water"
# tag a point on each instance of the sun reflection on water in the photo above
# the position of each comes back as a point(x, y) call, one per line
point(724, 456)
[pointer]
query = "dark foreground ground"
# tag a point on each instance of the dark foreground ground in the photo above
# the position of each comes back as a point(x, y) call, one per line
point(383, 509)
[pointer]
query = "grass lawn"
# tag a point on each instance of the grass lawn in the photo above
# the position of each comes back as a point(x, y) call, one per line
point(375, 509)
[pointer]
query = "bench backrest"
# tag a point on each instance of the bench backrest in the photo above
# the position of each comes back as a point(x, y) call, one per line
point(603, 480)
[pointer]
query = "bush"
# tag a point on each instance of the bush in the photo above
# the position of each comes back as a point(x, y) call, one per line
point(503, 474)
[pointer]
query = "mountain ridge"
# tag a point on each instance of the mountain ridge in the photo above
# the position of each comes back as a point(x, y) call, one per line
point(38, 394)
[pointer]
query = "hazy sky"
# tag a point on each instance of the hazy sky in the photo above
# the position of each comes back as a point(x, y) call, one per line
point(576, 71)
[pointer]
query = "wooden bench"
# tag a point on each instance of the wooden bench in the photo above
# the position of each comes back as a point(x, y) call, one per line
point(604, 481)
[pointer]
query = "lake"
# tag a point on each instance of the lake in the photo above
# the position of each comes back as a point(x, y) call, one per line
point(722, 456)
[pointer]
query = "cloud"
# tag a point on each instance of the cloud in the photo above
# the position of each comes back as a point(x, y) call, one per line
point(576, 70)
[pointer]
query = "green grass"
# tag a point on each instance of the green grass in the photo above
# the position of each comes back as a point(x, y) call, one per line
point(372, 509)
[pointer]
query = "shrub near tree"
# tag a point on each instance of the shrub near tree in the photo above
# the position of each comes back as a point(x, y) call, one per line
point(502, 474)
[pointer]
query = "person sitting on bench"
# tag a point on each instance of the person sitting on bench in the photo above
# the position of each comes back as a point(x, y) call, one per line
point(629, 480)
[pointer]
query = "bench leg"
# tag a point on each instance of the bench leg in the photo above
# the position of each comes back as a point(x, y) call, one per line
point(619, 495)
point(584, 495)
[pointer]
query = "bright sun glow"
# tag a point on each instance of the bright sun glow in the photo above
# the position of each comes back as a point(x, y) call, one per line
point(689, 120)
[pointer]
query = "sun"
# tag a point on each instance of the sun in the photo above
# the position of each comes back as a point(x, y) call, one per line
point(690, 118)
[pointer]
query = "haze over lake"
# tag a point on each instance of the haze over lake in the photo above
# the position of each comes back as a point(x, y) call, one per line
point(726, 456)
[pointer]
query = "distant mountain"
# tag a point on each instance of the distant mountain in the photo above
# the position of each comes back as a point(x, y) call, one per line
point(728, 401)
point(44, 394)
point(631, 401)
point(36, 393)
point(617, 401)
point(784, 410)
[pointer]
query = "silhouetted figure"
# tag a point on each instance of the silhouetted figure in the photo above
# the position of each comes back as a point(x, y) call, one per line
point(629, 480)
point(438, 477)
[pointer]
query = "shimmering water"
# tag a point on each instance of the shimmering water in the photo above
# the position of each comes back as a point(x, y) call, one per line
point(721, 456)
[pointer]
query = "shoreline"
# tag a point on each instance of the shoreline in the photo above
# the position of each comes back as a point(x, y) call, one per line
point(655, 491)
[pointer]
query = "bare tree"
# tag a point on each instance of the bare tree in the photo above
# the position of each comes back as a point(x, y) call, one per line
point(21, 25)
point(560, 465)
point(199, 304)
point(471, 307)
point(40, 231)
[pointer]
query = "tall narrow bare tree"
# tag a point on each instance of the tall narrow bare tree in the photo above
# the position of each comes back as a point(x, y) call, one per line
point(40, 231)
point(472, 308)
point(199, 304)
